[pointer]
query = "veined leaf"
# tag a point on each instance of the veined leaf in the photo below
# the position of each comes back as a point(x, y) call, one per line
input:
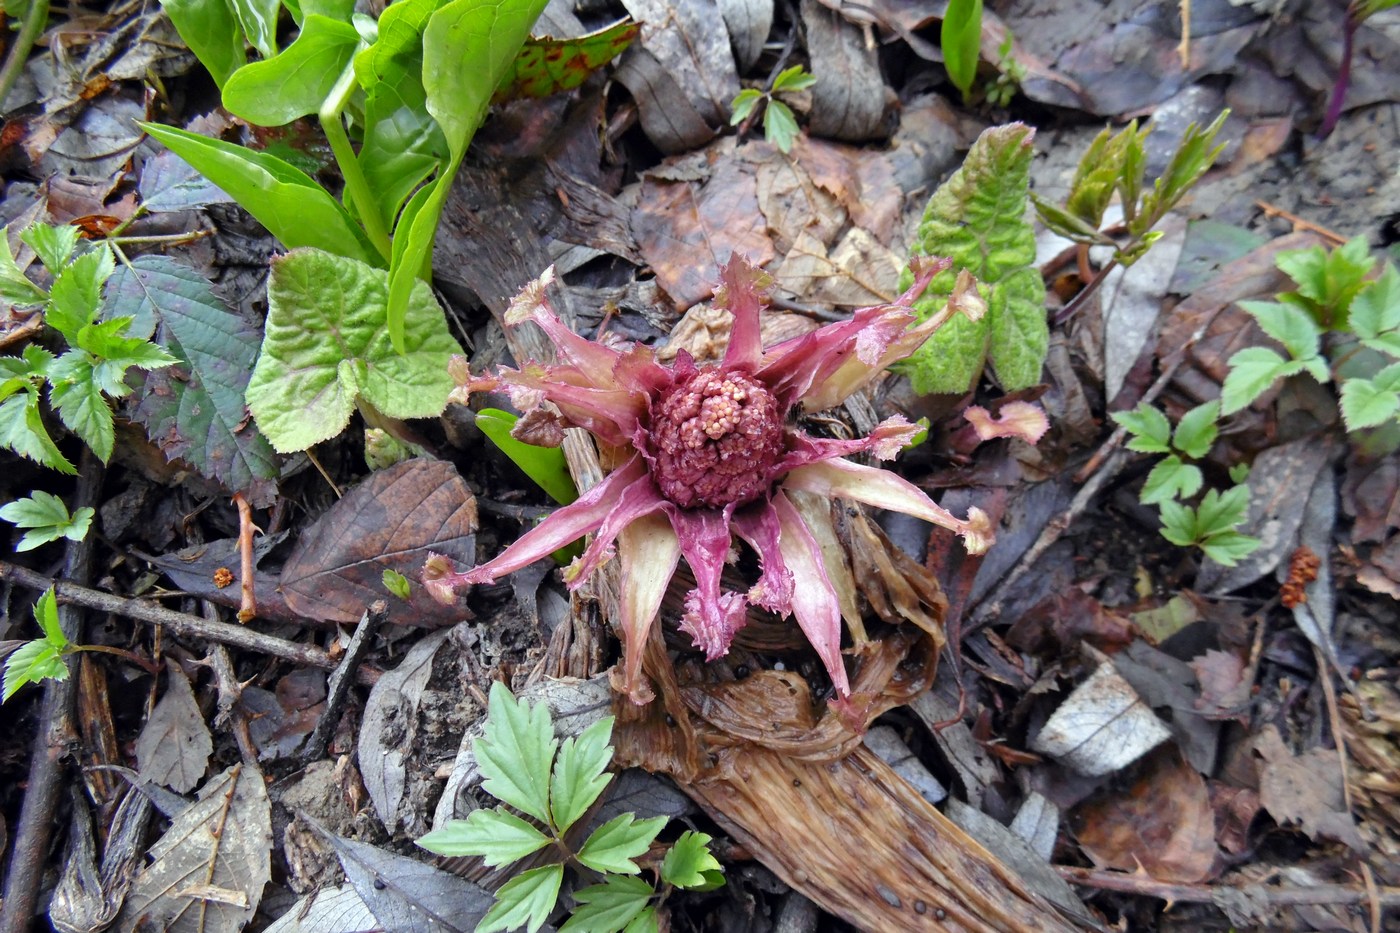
point(326, 346)
point(212, 31)
point(546, 66)
point(280, 89)
point(283, 198)
point(580, 773)
point(47, 519)
point(608, 906)
point(1171, 479)
point(497, 836)
point(1196, 431)
point(1151, 431)
point(524, 901)
point(977, 218)
point(612, 846)
point(1366, 403)
point(77, 293)
point(1287, 324)
point(779, 125)
point(54, 245)
point(22, 430)
point(690, 863)
point(1252, 371)
point(516, 753)
point(1375, 311)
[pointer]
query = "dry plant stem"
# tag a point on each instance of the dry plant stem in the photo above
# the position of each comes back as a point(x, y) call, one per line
point(1329, 692)
point(56, 736)
point(180, 623)
point(1299, 223)
point(248, 603)
point(339, 685)
point(1183, 50)
point(230, 693)
point(1273, 895)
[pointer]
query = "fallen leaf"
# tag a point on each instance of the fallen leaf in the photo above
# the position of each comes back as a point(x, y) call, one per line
point(1101, 727)
point(1224, 691)
point(174, 746)
point(1163, 823)
point(391, 521)
point(1304, 789)
point(849, 96)
point(225, 841)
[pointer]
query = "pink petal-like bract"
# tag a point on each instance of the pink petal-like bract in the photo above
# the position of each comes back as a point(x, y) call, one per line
point(712, 449)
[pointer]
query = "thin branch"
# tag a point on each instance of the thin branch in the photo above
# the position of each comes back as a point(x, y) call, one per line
point(1272, 895)
point(339, 685)
point(182, 624)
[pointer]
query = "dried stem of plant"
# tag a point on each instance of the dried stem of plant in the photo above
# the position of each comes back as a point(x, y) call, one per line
point(248, 603)
point(339, 685)
point(181, 623)
point(1299, 223)
point(230, 693)
point(1273, 895)
point(57, 735)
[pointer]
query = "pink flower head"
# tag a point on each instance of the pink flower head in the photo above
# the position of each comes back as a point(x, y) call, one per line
point(709, 453)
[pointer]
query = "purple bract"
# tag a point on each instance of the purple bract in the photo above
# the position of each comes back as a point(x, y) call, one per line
point(708, 452)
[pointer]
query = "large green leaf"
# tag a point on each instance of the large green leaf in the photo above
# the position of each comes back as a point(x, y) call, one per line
point(197, 413)
point(977, 218)
point(546, 66)
point(295, 83)
point(211, 30)
point(259, 21)
point(283, 198)
point(327, 347)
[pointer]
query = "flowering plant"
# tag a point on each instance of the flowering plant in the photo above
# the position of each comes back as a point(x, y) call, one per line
point(708, 452)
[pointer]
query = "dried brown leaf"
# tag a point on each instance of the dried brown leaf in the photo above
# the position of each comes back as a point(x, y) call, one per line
point(174, 746)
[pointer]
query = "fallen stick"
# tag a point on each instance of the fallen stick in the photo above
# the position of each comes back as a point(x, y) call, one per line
point(181, 623)
point(1272, 895)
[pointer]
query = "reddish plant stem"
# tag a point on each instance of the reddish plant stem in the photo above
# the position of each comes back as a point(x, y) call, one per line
point(248, 605)
point(1339, 90)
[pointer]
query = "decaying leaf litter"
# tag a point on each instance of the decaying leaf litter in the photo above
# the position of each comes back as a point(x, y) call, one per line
point(1120, 732)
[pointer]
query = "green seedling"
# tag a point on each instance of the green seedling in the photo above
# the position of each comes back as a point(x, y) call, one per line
point(960, 40)
point(545, 789)
point(47, 519)
point(82, 379)
point(779, 123)
point(45, 658)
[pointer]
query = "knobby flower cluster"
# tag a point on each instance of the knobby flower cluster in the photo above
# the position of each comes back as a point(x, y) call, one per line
point(709, 452)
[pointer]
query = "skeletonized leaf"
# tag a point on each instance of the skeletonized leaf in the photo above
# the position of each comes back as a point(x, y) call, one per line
point(174, 746)
point(208, 871)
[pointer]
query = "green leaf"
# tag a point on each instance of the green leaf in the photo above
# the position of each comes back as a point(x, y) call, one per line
point(580, 773)
point(1222, 511)
point(525, 900)
point(258, 18)
point(297, 82)
point(516, 752)
point(114, 353)
point(497, 836)
point(48, 518)
point(1227, 548)
point(743, 104)
point(1151, 431)
point(613, 845)
point(82, 406)
point(1179, 523)
point(547, 66)
point(608, 907)
point(1288, 325)
point(1375, 311)
point(690, 863)
point(22, 430)
point(77, 293)
point(197, 413)
point(42, 658)
point(1328, 282)
point(547, 466)
point(53, 245)
point(1098, 174)
point(15, 286)
point(1366, 403)
point(795, 78)
point(977, 218)
point(1196, 431)
point(1193, 157)
point(1064, 223)
point(403, 144)
point(960, 39)
point(644, 922)
point(283, 198)
point(212, 33)
point(779, 125)
point(396, 583)
point(1252, 371)
point(1239, 473)
point(1171, 479)
point(327, 346)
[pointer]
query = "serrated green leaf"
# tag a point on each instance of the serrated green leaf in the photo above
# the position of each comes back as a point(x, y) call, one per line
point(327, 346)
point(77, 293)
point(31, 663)
point(1151, 431)
point(1171, 479)
point(1195, 154)
point(1196, 431)
point(779, 125)
point(547, 66)
point(1178, 523)
point(496, 835)
point(1252, 371)
point(1375, 311)
point(396, 583)
point(1239, 473)
point(977, 218)
point(1366, 403)
point(1064, 223)
point(1227, 548)
point(960, 40)
point(115, 353)
point(580, 773)
point(743, 105)
point(295, 83)
point(54, 245)
point(1288, 325)
point(84, 409)
point(1222, 511)
point(547, 466)
point(524, 901)
point(22, 430)
point(282, 197)
point(613, 845)
point(1328, 281)
point(212, 33)
point(608, 907)
point(795, 78)
point(1387, 343)
point(1096, 177)
point(48, 518)
point(690, 863)
point(46, 614)
point(15, 286)
point(197, 412)
point(644, 922)
point(516, 752)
